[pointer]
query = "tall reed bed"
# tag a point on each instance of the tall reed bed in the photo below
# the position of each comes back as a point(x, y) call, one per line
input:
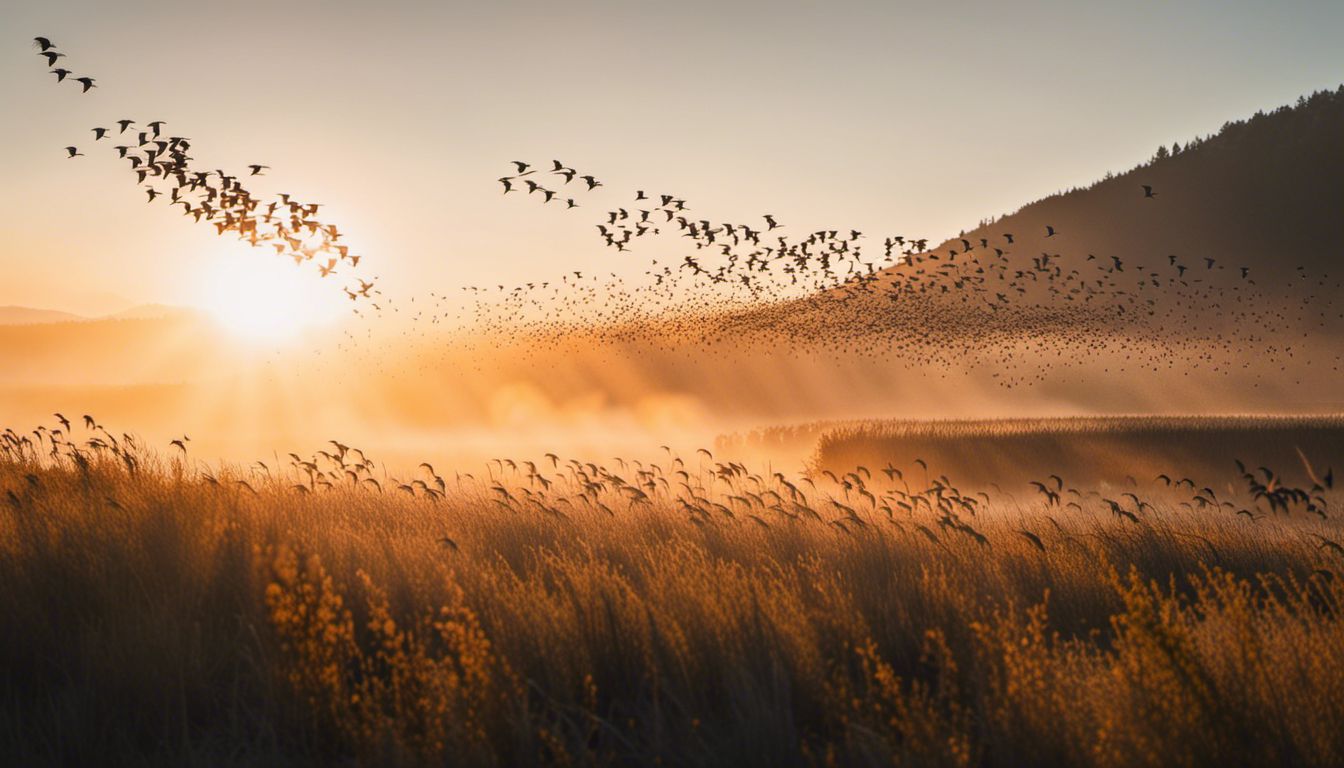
point(681, 611)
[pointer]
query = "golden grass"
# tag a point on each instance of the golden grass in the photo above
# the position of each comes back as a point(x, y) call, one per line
point(675, 612)
point(1091, 449)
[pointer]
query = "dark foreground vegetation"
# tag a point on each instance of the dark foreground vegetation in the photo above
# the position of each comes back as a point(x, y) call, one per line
point(679, 611)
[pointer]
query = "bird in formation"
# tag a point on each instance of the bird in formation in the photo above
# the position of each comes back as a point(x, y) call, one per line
point(750, 282)
point(1014, 295)
point(162, 165)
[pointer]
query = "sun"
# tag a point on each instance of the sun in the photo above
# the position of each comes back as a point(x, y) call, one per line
point(258, 297)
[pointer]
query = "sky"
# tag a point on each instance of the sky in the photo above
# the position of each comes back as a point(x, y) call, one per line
point(891, 117)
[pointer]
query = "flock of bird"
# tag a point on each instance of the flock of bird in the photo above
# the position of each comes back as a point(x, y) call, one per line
point(1013, 298)
point(978, 296)
point(163, 168)
point(48, 51)
point(523, 170)
point(830, 263)
point(745, 254)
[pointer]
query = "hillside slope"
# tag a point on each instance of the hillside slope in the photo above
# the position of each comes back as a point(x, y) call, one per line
point(12, 315)
point(1266, 192)
point(1235, 250)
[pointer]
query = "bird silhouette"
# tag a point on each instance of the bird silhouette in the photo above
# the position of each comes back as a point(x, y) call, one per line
point(163, 165)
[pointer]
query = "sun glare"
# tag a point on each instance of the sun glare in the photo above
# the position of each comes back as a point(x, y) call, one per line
point(258, 297)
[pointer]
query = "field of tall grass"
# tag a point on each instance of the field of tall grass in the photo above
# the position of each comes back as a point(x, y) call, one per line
point(1091, 449)
point(673, 611)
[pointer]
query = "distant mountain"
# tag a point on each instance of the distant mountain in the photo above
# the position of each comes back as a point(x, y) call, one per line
point(106, 351)
point(152, 312)
point(15, 315)
point(12, 315)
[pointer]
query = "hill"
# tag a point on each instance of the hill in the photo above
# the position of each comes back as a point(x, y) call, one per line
point(1235, 250)
point(16, 315)
point(12, 315)
point(1264, 192)
point(106, 351)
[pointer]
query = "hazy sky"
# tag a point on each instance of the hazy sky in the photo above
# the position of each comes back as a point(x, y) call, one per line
point(914, 118)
